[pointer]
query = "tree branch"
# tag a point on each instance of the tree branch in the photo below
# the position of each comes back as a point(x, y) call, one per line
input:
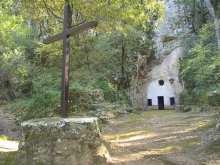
point(48, 9)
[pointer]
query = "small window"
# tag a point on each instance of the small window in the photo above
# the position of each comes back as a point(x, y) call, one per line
point(161, 82)
point(149, 102)
point(172, 101)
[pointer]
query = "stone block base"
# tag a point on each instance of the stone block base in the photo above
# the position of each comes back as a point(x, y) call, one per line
point(61, 141)
point(179, 108)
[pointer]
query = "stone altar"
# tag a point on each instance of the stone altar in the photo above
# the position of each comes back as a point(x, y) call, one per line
point(61, 141)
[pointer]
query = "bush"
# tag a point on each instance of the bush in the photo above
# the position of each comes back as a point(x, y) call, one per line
point(42, 104)
point(109, 90)
point(199, 68)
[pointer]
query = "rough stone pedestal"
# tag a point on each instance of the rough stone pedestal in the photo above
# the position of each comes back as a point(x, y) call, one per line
point(179, 108)
point(61, 141)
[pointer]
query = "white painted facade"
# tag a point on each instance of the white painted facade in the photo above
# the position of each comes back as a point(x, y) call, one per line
point(168, 71)
point(168, 51)
point(165, 90)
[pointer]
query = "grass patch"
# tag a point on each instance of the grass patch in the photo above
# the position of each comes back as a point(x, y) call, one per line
point(128, 135)
point(7, 151)
point(167, 162)
point(214, 147)
point(197, 123)
point(170, 149)
point(17, 106)
point(158, 113)
point(184, 121)
point(146, 115)
point(185, 144)
point(191, 142)
point(191, 118)
point(127, 124)
point(135, 119)
point(7, 158)
point(202, 125)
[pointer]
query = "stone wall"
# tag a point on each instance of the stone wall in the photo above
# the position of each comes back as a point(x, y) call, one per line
point(61, 141)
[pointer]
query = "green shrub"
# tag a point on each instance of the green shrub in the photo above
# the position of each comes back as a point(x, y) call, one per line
point(199, 68)
point(42, 104)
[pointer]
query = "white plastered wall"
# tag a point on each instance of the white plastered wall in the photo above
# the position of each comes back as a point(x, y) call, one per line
point(165, 71)
point(155, 90)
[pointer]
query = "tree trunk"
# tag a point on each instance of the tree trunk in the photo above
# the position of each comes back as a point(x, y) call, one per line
point(194, 16)
point(6, 86)
point(217, 30)
point(122, 62)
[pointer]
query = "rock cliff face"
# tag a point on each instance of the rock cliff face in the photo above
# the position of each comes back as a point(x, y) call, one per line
point(158, 84)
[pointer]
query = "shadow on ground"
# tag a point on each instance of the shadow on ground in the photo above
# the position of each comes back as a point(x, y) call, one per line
point(163, 138)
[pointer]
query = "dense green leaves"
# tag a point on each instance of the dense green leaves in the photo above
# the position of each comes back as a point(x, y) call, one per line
point(200, 70)
point(200, 63)
point(111, 15)
point(15, 48)
point(104, 58)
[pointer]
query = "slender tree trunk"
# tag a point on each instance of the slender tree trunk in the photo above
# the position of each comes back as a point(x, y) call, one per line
point(122, 62)
point(217, 29)
point(194, 16)
point(87, 59)
point(6, 86)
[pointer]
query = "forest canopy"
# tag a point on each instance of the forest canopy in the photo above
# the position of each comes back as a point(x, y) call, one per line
point(103, 58)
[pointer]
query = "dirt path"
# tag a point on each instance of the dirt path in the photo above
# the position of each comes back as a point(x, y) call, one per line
point(164, 138)
point(8, 126)
point(151, 138)
point(9, 132)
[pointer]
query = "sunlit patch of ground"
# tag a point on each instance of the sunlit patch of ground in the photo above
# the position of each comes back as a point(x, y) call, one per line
point(129, 136)
point(7, 158)
point(161, 138)
point(8, 150)
point(8, 145)
point(215, 162)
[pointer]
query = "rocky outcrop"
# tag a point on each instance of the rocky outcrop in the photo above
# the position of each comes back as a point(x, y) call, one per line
point(59, 141)
point(164, 67)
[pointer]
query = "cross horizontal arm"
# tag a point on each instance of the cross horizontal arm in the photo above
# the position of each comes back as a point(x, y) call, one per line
point(53, 38)
point(71, 32)
point(81, 28)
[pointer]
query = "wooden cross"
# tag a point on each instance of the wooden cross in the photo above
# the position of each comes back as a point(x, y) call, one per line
point(65, 35)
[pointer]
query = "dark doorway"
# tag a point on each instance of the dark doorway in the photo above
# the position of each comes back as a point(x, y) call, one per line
point(149, 101)
point(160, 103)
point(172, 101)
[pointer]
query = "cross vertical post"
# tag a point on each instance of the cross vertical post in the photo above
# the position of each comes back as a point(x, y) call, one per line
point(65, 35)
point(65, 63)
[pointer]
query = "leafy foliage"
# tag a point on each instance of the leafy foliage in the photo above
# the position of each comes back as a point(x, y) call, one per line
point(103, 58)
point(200, 70)
point(42, 104)
point(15, 48)
point(111, 15)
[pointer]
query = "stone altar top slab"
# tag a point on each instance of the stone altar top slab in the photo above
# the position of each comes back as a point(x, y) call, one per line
point(59, 121)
